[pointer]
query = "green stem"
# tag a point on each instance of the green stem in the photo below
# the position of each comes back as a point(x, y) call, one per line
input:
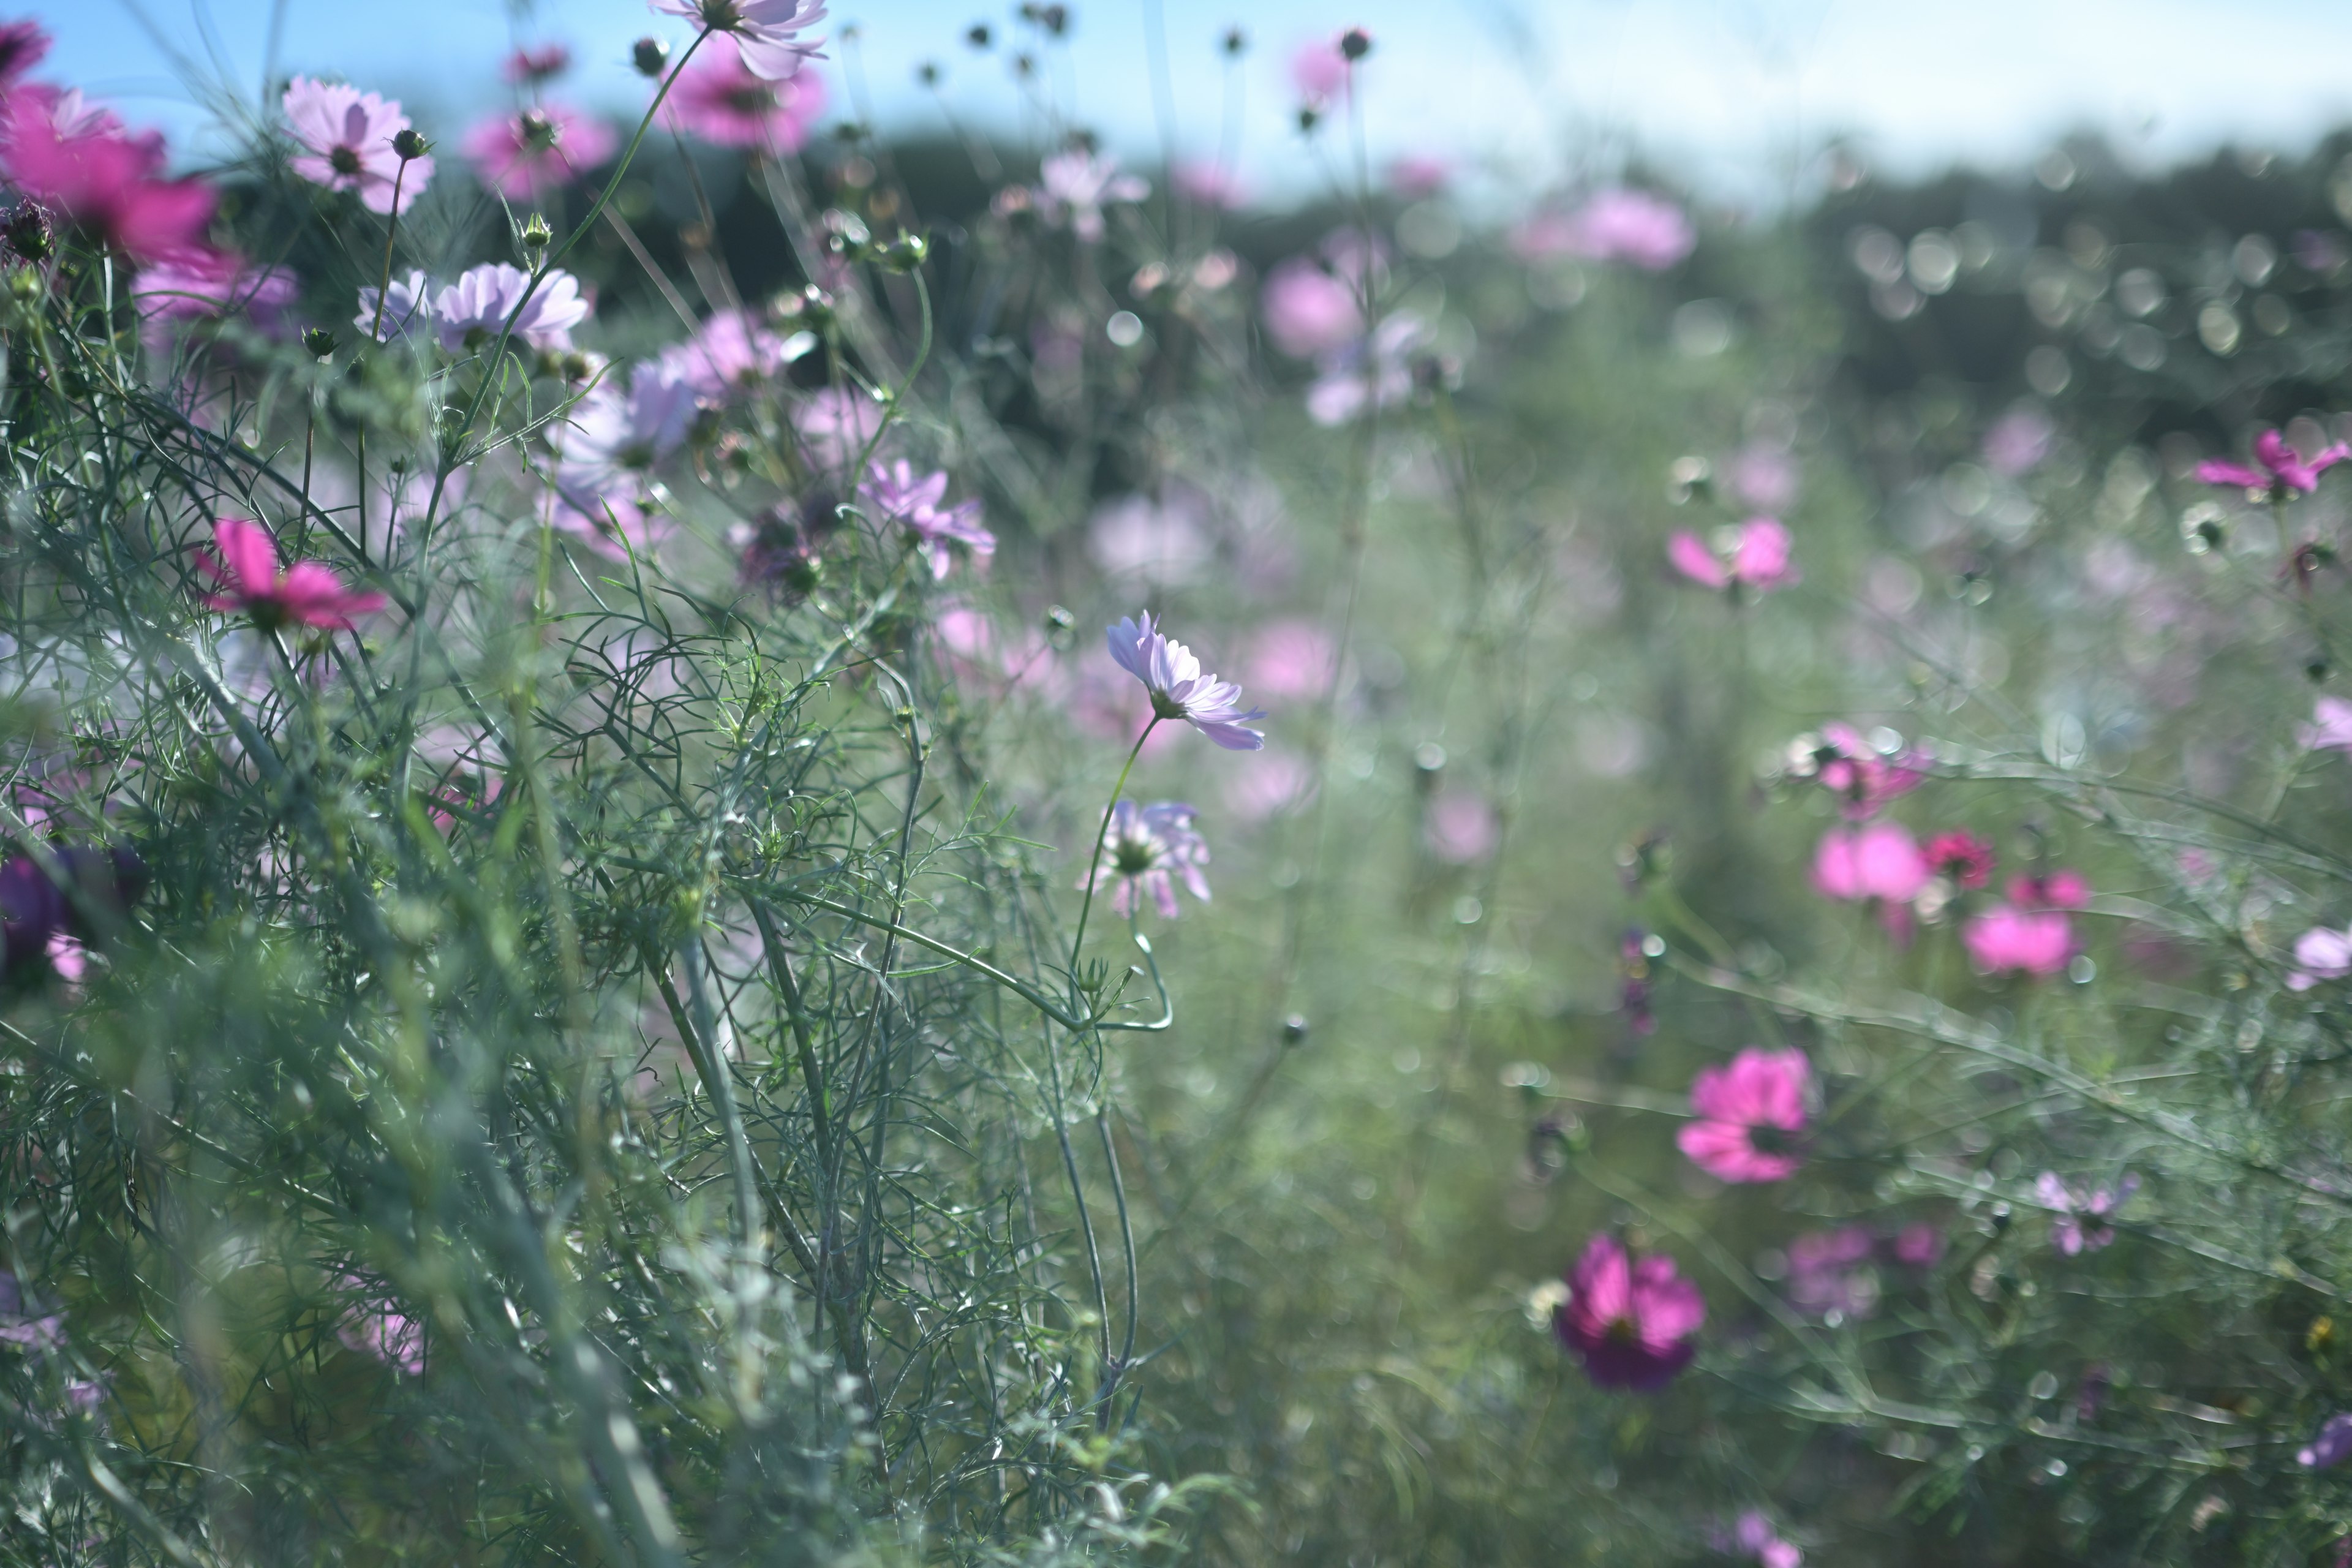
point(1094, 862)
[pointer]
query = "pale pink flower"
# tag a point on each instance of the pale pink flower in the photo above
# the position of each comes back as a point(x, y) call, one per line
point(1295, 659)
point(1632, 1324)
point(1611, 225)
point(347, 135)
point(2331, 726)
point(1319, 71)
point(1756, 556)
point(1210, 186)
point(765, 31)
point(2018, 442)
point(836, 424)
point(524, 156)
point(896, 496)
point(1178, 687)
point(2081, 1223)
point(375, 1326)
point(1308, 310)
point(1881, 861)
point(611, 439)
point(2320, 953)
point(1073, 187)
point(1764, 477)
point(244, 562)
point(1749, 1115)
point(732, 355)
point(470, 313)
point(1417, 176)
point(722, 100)
point(1275, 783)
point(408, 303)
point(1460, 827)
point(2007, 940)
point(1374, 373)
point(1145, 849)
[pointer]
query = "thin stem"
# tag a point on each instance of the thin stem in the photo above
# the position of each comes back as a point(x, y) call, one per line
point(1094, 863)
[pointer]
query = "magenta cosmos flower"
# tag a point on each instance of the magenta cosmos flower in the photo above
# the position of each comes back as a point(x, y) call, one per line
point(87, 169)
point(896, 496)
point(765, 31)
point(1749, 1115)
point(527, 67)
point(1633, 1325)
point(1179, 690)
point(524, 156)
point(1962, 856)
point(1145, 850)
point(471, 312)
point(1756, 1538)
point(1862, 777)
point(2285, 472)
point(1881, 861)
point(346, 135)
point(1756, 555)
point(2081, 1223)
point(2009, 940)
point(727, 104)
point(244, 562)
point(209, 285)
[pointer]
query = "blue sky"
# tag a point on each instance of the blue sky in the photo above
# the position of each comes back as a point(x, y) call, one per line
point(1718, 90)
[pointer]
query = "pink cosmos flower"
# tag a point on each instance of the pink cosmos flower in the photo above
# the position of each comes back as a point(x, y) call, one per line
point(1293, 659)
point(1756, 1538)
point(1750, 1114)
point(1962, 856)
point(2005, 940)
point(612, 438)
point(731, 354)
point(375, 1326)
point(719, 99)
point(835, 426)
point(1277, 782)
point(1374, 373)
point(1612, 225)
point(1918, 1246)
point(1763, 476)
point(1828, 1272)
point(1319, 71)
point(1145, 850)
point(87, 169)
point(1074, 186)
point(23, 45)
point(527, 67)
point(2069, 1232)
point(1863, 778)
point(1417, 176)
point(1632, 1324)
point(2329, 1445)
point(470, 313)
point(1178, 687)
point(209, 285)
point(244, 562)
point(1210, 186)
point(524, 156)
point(896, 496)
point(2330, 728)
point(2320, 954)
point(1754, 556)
point(347, 137)
point(1460, 829)
point(1881, 861)
point(408, 303)
point(2283, 473)
point(1308, 310)
point(763, 30)
point(2060, 890)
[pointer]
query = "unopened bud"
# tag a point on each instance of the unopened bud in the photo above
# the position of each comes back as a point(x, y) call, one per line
point(410, 145)
point(905, 253)
point(1294, 1029)
point(1355, 44)
point(650, 56)
point(24, 286)
point(535, 234)
point(1309, 117)
point(1236, 41)
point(978, 35)
point(320, 341)
point(29, 234)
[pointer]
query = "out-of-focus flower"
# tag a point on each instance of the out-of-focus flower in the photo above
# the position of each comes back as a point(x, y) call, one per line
point(2003, 940)
point(1073, 187)
point(1145, 850)
point(1881, 861)
point(765, 31)
point(2330, 1445)
point(1612, 225)
point(82, 166)
point(1178, 689)
point(1829, 1271)
point(1763, 476)
point(2060, 890)
point(1293, 659)
point(1319, 72)
point(2018, 441)
point(780, 549)
point(1632, 1324)
point(346, 135)
point(1460, 829)
point(1376, 372)
point(1750, 1114)
point(470, 313)
point(2331, 726)
point(1210, 186)
point(528, 67)
point(836, 424)
point(23, 45)
point(1962, 856)
point(731, 354)
point(1862, 777)
point(897, 495)
point(1756, 556)
point(1273, 784)
point(408, 303)
point(1417, 176)
point(21, 1323)
point(376, 1326)
point(2284, 472)
point(1756, 1538)
point(210, 286)
point(1918, 1246)
point(727, 104)
point(1164, 541)
point(1309, 311)
point(35, 910)
point(524, 156)
point(244, 562)
point(2320, 953)
point(612, 438)
point(1633, 954)
point(2081, 1223)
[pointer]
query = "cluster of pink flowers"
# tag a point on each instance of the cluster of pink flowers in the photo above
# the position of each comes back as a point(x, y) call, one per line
point(83, 168)
point(1612, 225)
point(1316, 309)
point(1756, 557)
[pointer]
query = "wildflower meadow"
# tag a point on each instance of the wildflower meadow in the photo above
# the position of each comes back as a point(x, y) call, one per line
point(739, 837)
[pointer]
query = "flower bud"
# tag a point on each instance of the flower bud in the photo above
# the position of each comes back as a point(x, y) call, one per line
point(978, 35)
point(27, 233)
point(535, 236)
point(1294, 1029)
point(905, 253)
point(1309, 117)
point(320, 341)
point(1235, 41)
point(650, 56)
point(1355, 44)
point(24, 286)
point(410, 145)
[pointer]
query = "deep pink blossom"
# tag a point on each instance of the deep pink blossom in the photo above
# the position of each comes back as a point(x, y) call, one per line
point(86, 169)
point(1962, 856)
point(896, 496)
point(2320, 953)
point(1178, 689)
point(1754, 556)
point(210, 286)
point(524, 156)
point(2331, 726)
point(765, 31)
point(2081, 1223)
point(244, 562)
point(1612, 225)
point(2004, 939)
point(1632, 1324)
point(471, 314)
point(2284, 472)
point(1880, 861)
point(23, 45)
point(1145, 849)
point(373, 1325)
point(346, 136)
point(1863, 778)
point(527, 66)
point(1309, 311)
point(1073, 187)
point(719, 99)
point(1750, 1114)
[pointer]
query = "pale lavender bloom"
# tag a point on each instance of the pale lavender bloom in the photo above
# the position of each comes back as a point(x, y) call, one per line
point(2069, 1232)
point(472, 312)
point(403, 303)
point(896, 496)
point(1614, 224)
point(2330, 1445)
point(2320, 954)
point(1460, 827)
point(1145, 850)
point(2330, 727)
point(2018, 441)
point(1375, 372)
point(348, 136)
point(836, 425)
point(611, 436)
point(21, 1325)
point(1077, 185)
point(1179, 690)
point(762, 30)
point(731, 353)
point(210, 285)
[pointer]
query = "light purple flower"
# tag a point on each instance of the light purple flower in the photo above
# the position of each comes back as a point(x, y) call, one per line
point(1614, 224)
point(731, 354)
point(612, 438)
point(1309, 311)
point(1460, 829)
point(2320, 954)
point(523, 156)
point(347, 137)
point(2018, 442)
point(2330, 727)
point(896, 496)
point(1179, 690)
point(375, 1325)
point(1757, 1539)
point(1074, 186)
point(1145, 850)
point(763, 29)
point(2283, 473)
point(471, 312)
point(2330, 1445)
point(836, 425)
point(1376, 372)
point(20, 1325)
point(2081, 1223)
point(408, 300)
point(1319, 71)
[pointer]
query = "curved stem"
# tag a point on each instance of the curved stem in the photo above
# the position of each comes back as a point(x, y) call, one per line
point(1102, 834)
